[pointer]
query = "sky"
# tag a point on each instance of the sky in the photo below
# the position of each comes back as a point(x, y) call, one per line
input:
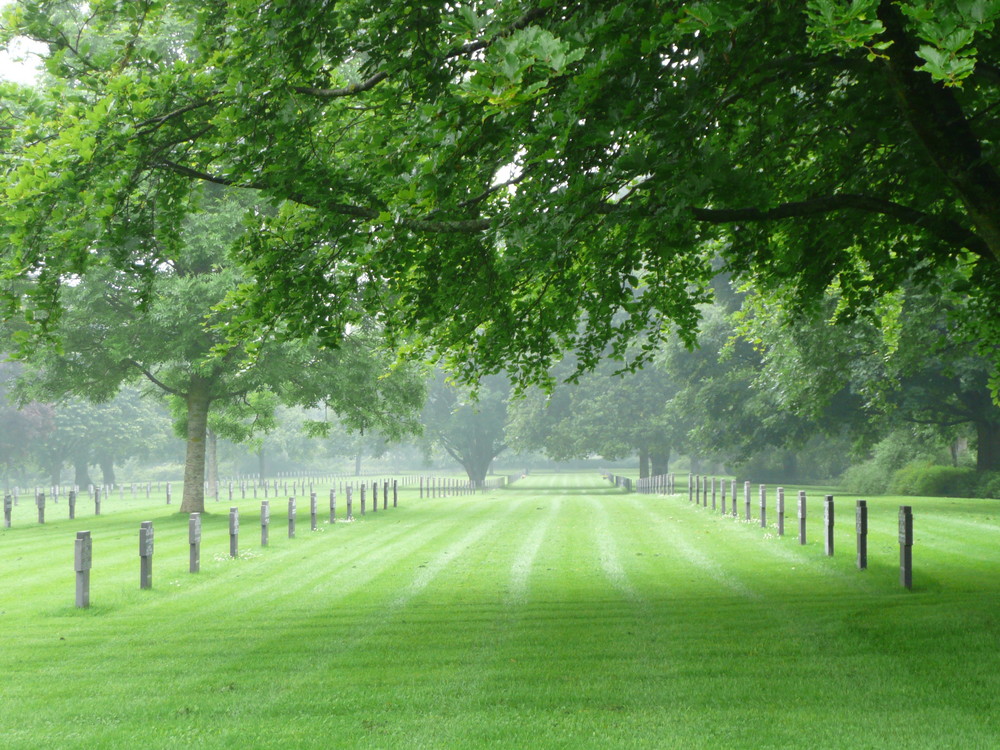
point(17, 64)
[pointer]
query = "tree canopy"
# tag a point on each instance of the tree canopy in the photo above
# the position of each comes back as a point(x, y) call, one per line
point(505, 180)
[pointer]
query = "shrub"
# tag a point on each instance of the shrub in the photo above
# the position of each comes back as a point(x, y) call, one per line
point(925, 479)
point(988, 485)
point(867, 478)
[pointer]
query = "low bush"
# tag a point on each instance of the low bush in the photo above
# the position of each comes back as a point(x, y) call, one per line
point(988, 485)
point(931, 480)
point(867, 478)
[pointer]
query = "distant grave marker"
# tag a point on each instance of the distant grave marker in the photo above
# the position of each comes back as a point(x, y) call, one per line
point(906, 546)
point(861, 529)
point(265, 521)
point(194, 541)
point(234, 532)
point(828, 525)
point(146, 555)
point(802, 516)
point(82, 557)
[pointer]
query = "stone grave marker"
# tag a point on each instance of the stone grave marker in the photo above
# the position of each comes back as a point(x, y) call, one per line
point(861, 529)
point(362, 498)
point(333, 505)
point(763, 506)
point(746, 500)
point(781, 511)
point(71, 500)
point(194, 541)
point(349, 490)
point(234, 532)
point(8, 507)
point(265, 521)
point(802, 516)
point(828, 525)
point(312, 510)
point(906, 546)
point(395, 493)
point(82, 557)
point(291, 517)
point(146, 555)
point(40, 502)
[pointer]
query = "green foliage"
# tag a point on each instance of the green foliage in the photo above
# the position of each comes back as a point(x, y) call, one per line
point(988, 485)
point(899, 449)
point(929, 480)
point(520, 182)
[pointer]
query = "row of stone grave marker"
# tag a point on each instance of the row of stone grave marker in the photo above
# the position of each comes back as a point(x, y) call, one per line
point(698, 493)
point(83, 549)
point(435, 487)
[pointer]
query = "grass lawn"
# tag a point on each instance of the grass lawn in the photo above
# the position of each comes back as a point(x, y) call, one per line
point(556, 613)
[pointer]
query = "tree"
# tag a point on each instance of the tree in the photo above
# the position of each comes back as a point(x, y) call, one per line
point(911, 367)
point(613, 415)
point(22, 428)
point(118, 326)
point(470, 427)
point(524, 179)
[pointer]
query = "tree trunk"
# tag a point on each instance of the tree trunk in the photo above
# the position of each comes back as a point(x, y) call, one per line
point(107, 464)
point(55, 472)
point(643, 463)
point(789, 466)
point(261, 466)
point(987, 446)
point(199, 400)
point(212, 465)
point(81, 475)
point(659, 462)
point(357, 465)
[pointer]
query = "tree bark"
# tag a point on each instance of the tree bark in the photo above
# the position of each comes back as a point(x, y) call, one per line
point(643, 462)
point(659, 462)
point(54, 471)
point(212, 465)
point(199, 400)
point(107, 464)
point(81, 475)
point(988, 446)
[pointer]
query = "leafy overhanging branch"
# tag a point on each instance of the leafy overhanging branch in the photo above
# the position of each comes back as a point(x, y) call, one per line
point(944, 229)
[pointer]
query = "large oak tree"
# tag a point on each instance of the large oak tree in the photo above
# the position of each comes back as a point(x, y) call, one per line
point(524, 177)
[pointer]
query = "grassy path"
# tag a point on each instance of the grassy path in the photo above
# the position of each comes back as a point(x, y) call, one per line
point(558, 613)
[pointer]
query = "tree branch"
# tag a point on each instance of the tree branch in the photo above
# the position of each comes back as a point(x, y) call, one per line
point(464, 49)
point(944, 229)
point(154, 380)
point(354, 88)
point(345, 209)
